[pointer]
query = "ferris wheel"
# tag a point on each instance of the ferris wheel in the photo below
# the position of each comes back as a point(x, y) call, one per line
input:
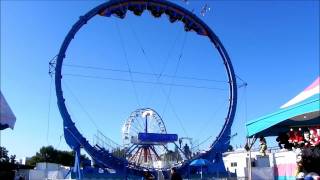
point(145, 138)
point(144, 131)
point(141, 120)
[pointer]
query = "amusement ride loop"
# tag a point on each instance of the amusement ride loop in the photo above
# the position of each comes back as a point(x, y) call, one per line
point(191, 22)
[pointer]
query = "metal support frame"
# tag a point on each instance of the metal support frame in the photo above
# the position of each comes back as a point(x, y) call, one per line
point(77, 163)
point(191, 22)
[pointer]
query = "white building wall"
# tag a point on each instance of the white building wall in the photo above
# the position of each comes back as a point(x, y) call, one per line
point(45, 171)
point(263, 166)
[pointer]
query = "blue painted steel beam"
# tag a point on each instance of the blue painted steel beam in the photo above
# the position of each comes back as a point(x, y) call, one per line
point(176, 13)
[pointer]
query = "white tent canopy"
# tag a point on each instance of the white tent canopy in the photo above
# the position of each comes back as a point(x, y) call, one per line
point(7, 118)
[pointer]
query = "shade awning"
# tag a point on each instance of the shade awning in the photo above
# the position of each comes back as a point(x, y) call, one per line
point(7, 118)
point(302, 110)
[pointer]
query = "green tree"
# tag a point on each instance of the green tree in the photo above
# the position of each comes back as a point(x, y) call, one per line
point(13, 159)
point(4, 157)
point(51, 155)
point(6, 167)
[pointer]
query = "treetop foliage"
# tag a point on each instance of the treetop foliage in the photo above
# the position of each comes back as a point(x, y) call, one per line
point(52, 155)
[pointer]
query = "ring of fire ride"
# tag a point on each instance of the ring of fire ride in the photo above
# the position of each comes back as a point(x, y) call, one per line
point(191, 22)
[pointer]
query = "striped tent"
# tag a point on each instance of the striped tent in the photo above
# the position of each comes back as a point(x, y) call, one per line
point(301, 111)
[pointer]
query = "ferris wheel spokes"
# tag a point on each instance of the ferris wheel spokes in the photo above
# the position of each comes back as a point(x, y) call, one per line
point(147, 145)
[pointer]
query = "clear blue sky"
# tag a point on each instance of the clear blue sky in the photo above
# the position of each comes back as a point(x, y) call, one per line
point(273, 45)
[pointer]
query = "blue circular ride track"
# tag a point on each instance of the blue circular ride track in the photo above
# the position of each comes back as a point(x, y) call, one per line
point(191, 22)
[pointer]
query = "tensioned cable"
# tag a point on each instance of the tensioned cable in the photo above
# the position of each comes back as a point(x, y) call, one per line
point(240, 102)
point(198, 145)
point(137, 39)
point(245, 94)
point(127, 62)
point(175, 73)
point(148, 59)
point(205, 125)
point(168, 97)
point(202, 142)
point(246, 104)
point(170, 89)
point(143, 73)
point(244, 83)
point(60, 138)
point(144, 82)
point(81, 106)
point(240, 78)
point(49, 111)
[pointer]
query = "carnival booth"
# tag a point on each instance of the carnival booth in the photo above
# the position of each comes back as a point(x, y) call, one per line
point(296, 128)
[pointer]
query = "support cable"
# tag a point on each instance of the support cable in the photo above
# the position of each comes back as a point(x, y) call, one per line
point(157, 75)
point(202, 142)
point(244, 84)
point(60, 138)
point(205, 124)
point(81, 106)
point(241, 99)
point(175, 73)
point(173, 81)
point(52, 67)
point(145, 82)
point(49, 112)
point(128, 65)
point(127, 62)
point(245, 104)
point(148, 60)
